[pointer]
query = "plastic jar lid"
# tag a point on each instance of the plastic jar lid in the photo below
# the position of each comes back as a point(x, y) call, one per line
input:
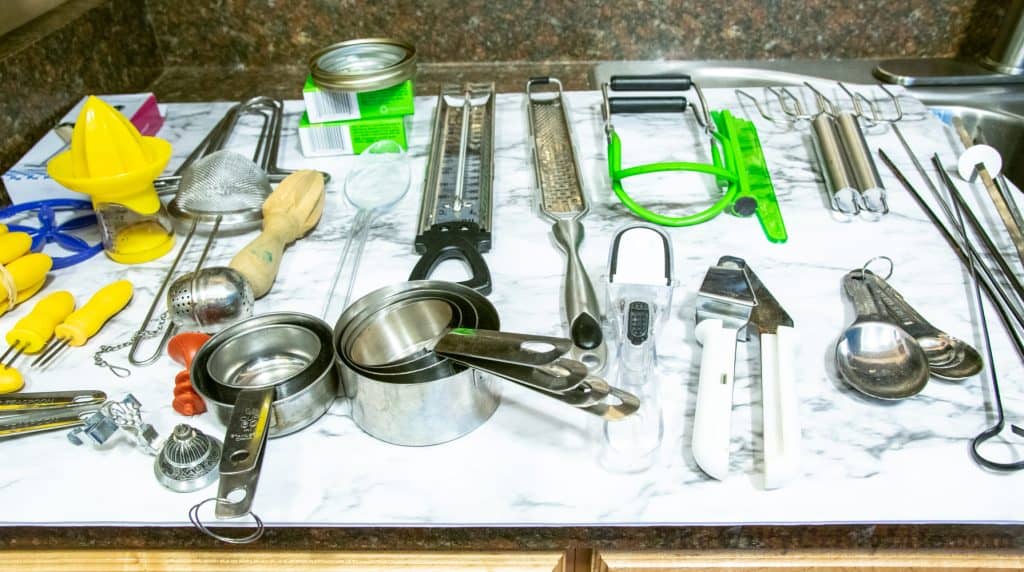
point(363, 65)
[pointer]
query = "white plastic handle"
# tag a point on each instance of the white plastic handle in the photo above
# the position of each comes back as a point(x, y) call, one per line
point(711, 420)
point(780, 405)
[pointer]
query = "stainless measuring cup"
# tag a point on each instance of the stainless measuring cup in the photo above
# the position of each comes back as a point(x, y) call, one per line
point(268, 376)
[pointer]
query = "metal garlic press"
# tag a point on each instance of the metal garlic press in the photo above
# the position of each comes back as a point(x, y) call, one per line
point(733, 303)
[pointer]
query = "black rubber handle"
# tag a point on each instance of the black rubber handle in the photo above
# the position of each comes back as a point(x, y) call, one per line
point(680, 82)
point(540, 80)
point(647, 104)
point(439, 245)
point(586, 332)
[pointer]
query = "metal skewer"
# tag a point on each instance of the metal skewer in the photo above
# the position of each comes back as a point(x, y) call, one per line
point(999, 298)
point(1000, 423)
point(1008, 312)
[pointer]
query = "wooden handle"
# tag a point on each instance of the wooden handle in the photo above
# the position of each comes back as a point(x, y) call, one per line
point(291, 211)
point(260, 260)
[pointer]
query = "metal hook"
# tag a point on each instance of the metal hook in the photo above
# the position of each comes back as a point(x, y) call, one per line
point(876, 114)
point(761, 111)
point(825, 104)
point(798, 112)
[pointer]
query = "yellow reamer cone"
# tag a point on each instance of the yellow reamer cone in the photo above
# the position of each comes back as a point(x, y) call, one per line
point(112, 162)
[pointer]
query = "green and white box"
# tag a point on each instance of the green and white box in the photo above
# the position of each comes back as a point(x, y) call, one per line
point(348, 137)
point(325, 105)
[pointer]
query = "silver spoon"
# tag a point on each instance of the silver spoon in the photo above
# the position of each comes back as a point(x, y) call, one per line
point(948, 357)
point(874, 355)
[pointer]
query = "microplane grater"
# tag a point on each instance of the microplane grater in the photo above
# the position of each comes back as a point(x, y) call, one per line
point(455, 214)
point(558, 175)
point(560, 189)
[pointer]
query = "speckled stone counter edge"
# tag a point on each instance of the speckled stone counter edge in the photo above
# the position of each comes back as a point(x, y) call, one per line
point(745, 538)
point(82, 47)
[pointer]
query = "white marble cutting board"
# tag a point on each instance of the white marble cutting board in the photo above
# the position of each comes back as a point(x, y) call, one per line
point(535, 462)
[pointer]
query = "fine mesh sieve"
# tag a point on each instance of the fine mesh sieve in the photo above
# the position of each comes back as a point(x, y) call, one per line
point(222, 189)
point(224, 185)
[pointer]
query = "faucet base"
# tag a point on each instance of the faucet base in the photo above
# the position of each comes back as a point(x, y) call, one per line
point(941, 71)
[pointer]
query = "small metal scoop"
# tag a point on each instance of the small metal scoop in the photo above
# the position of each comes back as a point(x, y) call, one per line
point(949, 358)
point(874, 355)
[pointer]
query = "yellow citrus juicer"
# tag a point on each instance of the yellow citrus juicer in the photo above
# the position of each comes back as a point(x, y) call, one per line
point(115, 165)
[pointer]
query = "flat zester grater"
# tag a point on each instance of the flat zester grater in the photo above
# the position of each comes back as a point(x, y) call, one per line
point(455, 215)
point(562, 200)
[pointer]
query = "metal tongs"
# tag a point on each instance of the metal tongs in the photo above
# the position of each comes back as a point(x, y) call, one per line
point(731, 301)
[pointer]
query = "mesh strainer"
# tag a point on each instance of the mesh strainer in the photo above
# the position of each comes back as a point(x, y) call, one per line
point(222, 185)
point(222, 190)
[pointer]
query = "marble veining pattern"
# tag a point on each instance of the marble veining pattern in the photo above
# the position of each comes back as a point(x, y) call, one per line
point(535, 461)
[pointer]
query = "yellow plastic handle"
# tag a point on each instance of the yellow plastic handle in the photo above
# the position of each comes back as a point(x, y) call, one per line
point(14, 245)
point(33, 331)
point(27, 271)
point(87, 320)
point(10, 380)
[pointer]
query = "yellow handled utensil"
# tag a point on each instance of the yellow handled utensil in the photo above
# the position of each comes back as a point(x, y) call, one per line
point(31, 333)
point(10, 380)
point(14, 245)
point(84, 322)
point(28, 273)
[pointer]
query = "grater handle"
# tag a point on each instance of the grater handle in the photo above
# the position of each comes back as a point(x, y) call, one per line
point(439, 247)
point(581, 306)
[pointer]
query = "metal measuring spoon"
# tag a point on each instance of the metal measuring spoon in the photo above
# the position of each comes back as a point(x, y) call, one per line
point(948, 357)
point(874, 355)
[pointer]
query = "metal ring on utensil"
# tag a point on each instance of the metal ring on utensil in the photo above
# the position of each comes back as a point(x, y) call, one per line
point(864, 269)
point(193, 517)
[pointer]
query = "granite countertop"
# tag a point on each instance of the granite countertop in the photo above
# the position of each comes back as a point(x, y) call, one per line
point(861, 459)
point(226, 83)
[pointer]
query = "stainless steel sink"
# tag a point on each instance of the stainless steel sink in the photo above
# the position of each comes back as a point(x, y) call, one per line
point(997, 110)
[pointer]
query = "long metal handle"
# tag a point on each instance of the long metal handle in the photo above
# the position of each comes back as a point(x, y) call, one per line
point(839, 181)
point(49, 400)
point(591, 394)
point(242, 455)
point(865, 173)
point(158, 298)
point(581, 304)
point(38, 422)
point(560, 378)
point(508, 347)
point(1005, 305)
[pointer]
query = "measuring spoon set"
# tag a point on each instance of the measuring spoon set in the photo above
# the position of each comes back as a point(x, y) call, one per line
point(890, 351)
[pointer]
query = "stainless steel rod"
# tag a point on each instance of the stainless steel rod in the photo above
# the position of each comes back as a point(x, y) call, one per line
point(1010, 316)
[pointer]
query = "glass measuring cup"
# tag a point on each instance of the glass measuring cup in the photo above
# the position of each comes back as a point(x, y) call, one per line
point(379, 179)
